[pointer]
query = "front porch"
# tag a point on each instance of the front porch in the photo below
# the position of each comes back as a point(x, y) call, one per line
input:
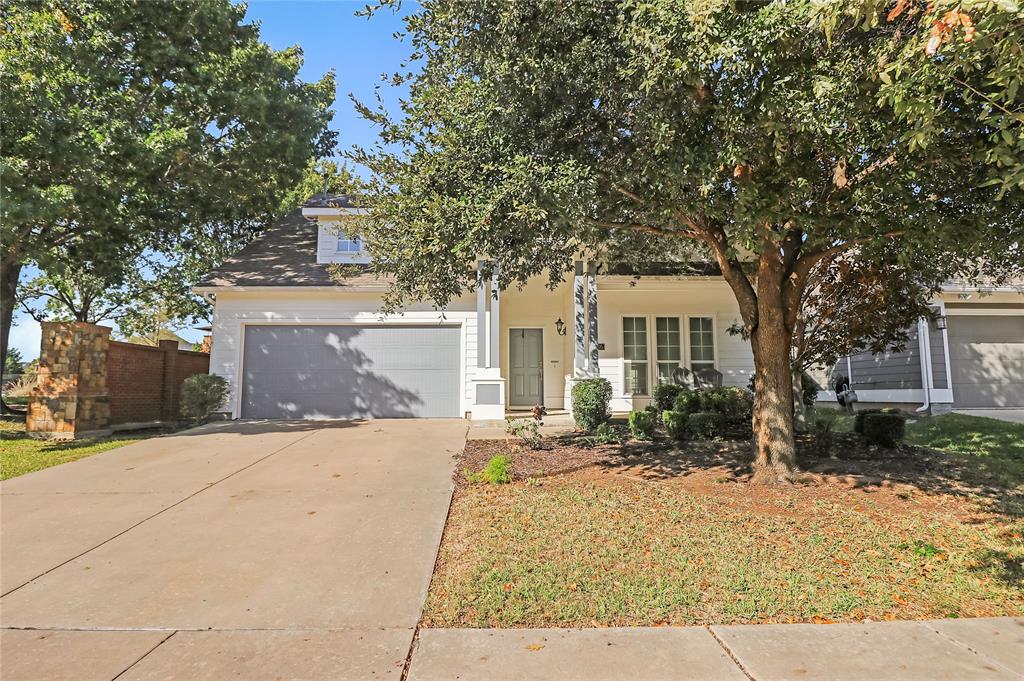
point(534, 343)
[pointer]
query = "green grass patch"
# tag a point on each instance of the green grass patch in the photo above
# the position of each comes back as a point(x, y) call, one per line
point(642, 553)
point(20, 454)
point(994, 447)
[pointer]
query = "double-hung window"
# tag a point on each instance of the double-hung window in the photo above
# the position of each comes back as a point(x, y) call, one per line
point(348, 244)
point(668, 348)
point(702, 343)
point(634, 352)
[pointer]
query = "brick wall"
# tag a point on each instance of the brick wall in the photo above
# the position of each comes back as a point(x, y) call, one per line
point(89, 382)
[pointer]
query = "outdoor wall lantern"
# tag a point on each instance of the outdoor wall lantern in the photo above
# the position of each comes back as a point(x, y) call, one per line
point(560, 327)
point(940, 322)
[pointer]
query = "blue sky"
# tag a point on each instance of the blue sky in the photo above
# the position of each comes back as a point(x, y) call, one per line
point(359, 50)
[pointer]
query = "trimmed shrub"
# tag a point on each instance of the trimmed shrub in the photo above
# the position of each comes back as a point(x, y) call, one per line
point(884, 430)
point(496, 472)
point(665, 395)
point(642, 424)
point(203, 394)
point(590, 399)
point(858, 417)
point(687, 401)
point(705, 425)
point(735, 404)
point(675, 423)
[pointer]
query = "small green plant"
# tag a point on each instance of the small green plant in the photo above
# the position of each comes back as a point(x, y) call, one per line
point(675, 423)
point(665, 395)
point(735, 404)
point(590, 400)
point(705, 425)
point(921, 548)
point(606, 435)
point(527, 430)
point(203, 394)
point(884, 430)
point(824, 425)
point(496, 472)
point(642, 424)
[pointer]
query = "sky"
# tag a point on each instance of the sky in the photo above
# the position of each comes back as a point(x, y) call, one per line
point(360, 51)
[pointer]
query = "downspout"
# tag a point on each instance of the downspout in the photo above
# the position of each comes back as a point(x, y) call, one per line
point(924, 350)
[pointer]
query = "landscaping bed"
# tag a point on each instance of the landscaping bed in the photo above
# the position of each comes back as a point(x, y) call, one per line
point(648, 533)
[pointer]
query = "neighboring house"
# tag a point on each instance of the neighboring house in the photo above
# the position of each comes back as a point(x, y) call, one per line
point(161, 335)
point(973, 356)
point(296, 343)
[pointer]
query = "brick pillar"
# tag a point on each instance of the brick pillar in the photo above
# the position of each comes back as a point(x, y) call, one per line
point(169, 392)
point(71, 397)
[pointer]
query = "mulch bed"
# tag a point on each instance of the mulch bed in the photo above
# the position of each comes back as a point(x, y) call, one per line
point(695, 463)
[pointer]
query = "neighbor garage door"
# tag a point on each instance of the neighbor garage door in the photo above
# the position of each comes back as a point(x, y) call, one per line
point(986, 357)
point(311, 372)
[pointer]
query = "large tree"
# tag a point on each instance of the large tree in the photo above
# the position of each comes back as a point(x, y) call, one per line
point(742, 131)
point(133, 127)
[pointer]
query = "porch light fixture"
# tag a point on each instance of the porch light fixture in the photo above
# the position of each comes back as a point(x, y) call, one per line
point(560, 327)
point(940, 322)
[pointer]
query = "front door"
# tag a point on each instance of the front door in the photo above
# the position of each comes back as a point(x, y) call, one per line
point(526, 367)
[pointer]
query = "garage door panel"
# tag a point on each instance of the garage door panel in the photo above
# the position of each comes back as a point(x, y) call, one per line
point(987, 360)
point(320, 371)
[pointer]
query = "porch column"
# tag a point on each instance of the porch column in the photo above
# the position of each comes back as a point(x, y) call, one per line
point(592, 317)
point(488, 387)
point(494, 351)
point(481, 316)
point(579, 315)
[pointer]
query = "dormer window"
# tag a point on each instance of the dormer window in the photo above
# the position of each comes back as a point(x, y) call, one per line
point(349, 245)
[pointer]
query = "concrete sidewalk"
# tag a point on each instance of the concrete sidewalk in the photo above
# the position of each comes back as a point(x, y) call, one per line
point(943, 650)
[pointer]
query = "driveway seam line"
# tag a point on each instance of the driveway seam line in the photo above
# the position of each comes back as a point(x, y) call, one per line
point(161, 511)
point(144, 655)
point(728, 651)
point(968, 648)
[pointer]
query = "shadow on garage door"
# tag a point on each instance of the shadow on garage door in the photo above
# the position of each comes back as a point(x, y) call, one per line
point(350, 371)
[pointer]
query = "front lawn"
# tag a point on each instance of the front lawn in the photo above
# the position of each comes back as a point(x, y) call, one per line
point(993, 447)
point(653, 534)
point(20, 454)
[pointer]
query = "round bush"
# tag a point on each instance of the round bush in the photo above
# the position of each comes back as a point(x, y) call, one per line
point(687, 401)
point(884, 430)
point(705, 425)
point(642, 424)
point(675, 423)
point(735, 404)
point(590, 399)
point(203, 394)
point(858, 417)
point(665, 395)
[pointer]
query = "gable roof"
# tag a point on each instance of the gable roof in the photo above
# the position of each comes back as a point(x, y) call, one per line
point(330, 201)
point(284, 255)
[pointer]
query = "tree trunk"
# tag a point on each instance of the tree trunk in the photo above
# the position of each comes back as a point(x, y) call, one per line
point(799, 409)
point(10, 270)
point(775, 450)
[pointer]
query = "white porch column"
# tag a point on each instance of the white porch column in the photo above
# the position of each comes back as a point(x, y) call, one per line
point(579, 316)
point(481, 316)
point(592, 366)
point(487, 386)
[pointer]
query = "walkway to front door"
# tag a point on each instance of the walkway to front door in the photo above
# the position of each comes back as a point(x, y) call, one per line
point(526, 367)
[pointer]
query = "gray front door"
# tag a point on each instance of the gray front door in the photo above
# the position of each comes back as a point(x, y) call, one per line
point(526, 367)
point(347, 371)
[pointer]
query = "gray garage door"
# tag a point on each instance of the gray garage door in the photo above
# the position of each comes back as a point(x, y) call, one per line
point(986, 356)
point(316, 372)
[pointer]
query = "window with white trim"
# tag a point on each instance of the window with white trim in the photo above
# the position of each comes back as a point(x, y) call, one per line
point(702, 343)
point(668, 351)
point(634, 352)
point(349, 244)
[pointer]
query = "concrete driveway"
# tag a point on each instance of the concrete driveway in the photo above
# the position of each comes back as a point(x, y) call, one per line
point(274, 550)
point(1011, 415)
